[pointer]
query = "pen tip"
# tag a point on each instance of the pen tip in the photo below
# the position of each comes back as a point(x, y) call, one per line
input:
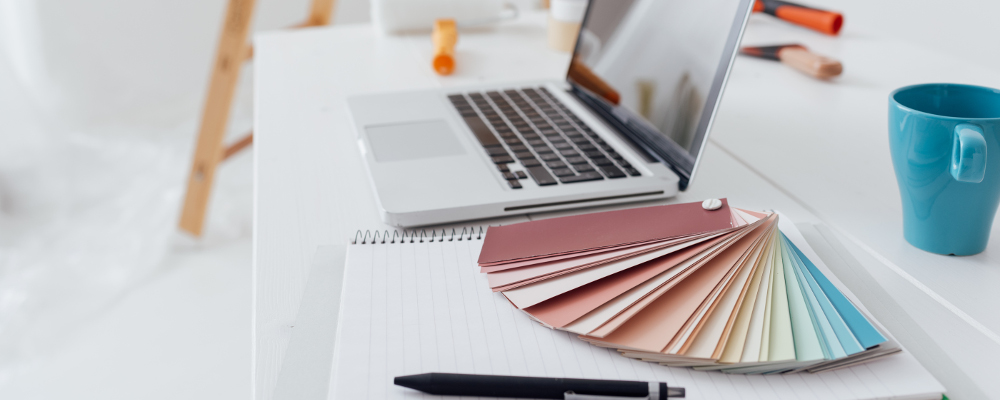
point(417, 382)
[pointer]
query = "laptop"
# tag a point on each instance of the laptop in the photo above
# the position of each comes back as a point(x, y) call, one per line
point(627, 124)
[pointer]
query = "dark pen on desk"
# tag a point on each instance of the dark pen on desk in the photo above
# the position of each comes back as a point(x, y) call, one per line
point(536, 388)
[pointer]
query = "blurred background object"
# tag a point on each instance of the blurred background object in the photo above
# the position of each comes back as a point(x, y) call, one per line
point(798, 57)
point(828, 22)
point(100, 102)
point(445, 36)
point(418, 16)
point(565, 18)
point(233, 51)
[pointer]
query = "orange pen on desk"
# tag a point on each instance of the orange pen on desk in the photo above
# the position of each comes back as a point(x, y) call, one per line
point(445, 36)
point(828, 22)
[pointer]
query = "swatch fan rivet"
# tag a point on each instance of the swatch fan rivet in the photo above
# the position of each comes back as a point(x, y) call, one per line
point(711, 204)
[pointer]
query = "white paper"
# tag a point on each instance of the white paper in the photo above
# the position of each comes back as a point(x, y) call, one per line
point(418, 308)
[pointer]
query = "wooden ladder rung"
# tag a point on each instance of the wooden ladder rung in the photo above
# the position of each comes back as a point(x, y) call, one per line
point(237, 146)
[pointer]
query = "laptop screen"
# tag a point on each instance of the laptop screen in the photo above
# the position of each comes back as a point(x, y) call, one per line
point(654, 70)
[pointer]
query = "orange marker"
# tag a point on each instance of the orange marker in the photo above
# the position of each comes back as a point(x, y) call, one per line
point(445, 36)
point(828, 22)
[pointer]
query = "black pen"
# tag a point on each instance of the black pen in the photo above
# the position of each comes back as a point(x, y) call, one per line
point(536, 388)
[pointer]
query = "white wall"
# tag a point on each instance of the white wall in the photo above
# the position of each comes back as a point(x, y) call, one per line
point(96, 60)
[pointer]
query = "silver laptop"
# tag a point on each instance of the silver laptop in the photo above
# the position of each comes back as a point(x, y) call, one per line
point(627, 124)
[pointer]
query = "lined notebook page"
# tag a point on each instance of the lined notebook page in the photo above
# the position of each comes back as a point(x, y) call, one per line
point(424, 307)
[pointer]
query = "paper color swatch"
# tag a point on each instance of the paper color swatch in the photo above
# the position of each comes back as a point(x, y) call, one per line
point(682, 286)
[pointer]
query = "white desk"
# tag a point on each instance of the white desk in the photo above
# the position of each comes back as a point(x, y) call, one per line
point(826, 145)
point(311, 188)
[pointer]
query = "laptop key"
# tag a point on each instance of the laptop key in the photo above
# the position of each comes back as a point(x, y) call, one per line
point(531, 162)
point(569, 153)
point(583, 168)
point(593, 153)
point(518, 147)
point(514, 184)
point(481, 131)
point(509, 176)
point(541, 176)
point(521, 174)
point(576, 160)
point(536, 142)
point(549, 156)
point(632, 171)
point(556, 164)
point(563, 172)
point(502, 159)
point(524, 155)
point(496, 151)
point(584, 177)
point(612, 171)
point(601, 161)
point(513, 141)
point(502, 167)
point(543, 149)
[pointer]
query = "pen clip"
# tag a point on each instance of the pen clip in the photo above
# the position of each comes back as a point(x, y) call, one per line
point(570, 395)
point(654, 394)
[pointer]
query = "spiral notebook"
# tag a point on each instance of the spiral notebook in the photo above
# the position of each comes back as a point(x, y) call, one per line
point(417, 303)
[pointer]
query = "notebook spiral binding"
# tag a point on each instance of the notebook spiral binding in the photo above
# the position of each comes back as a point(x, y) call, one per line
point(382, 237)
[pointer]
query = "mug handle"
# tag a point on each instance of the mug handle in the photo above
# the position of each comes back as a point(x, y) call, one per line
point(968, 154)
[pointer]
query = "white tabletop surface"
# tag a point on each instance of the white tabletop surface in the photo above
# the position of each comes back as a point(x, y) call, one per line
point(815, 150)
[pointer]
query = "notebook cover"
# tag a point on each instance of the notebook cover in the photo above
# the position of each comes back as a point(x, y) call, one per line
point(600, 230)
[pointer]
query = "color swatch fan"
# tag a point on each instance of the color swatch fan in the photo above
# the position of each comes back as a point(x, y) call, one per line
point(681, 285)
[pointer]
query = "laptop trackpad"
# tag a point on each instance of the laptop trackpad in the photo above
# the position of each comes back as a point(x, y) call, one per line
point(413, 140)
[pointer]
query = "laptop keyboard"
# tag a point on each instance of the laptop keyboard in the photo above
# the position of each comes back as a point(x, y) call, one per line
point(528, 132)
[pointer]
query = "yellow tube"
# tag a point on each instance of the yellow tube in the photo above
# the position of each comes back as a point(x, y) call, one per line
point(445, 36)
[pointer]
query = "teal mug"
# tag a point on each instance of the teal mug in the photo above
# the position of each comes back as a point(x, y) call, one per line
point(945, 145)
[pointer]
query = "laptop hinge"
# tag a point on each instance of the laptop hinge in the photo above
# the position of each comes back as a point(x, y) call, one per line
point(563, 203)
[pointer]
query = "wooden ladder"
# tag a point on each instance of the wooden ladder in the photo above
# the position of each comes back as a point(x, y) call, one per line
point(232, 52)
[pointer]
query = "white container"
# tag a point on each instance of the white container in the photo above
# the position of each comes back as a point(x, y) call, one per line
point(406, 16)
